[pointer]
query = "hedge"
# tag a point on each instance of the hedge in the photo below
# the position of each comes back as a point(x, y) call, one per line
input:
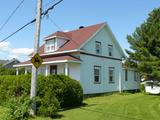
point(57, 90)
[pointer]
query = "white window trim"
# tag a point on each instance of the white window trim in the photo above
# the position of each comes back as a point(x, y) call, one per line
point(50, 45)
point(100, 49)
point(113, 69)
point(99, 68)
point(110, 46)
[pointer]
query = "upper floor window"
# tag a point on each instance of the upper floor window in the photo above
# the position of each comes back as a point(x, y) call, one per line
point(98, 47)
point(111, 75)
point(110, 50)
point(97, 74)
point(50, 45)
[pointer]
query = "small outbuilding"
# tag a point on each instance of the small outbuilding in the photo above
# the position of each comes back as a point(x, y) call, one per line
point(152, 87)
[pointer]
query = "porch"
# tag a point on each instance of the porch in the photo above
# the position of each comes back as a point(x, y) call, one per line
point(66, 65)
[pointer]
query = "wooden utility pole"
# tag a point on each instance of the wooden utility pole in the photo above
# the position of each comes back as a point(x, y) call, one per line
point(36, 50)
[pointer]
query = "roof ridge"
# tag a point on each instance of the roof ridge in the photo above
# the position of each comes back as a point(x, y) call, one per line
point(86, 27)
point(74, 30)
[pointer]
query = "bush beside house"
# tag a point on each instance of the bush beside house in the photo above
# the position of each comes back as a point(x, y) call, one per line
point(53, 92)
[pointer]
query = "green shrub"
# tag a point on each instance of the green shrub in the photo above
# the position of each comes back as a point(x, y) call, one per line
point(53, 91)
point(68, 91)
point(7, 71)
point(142, 88)
point(13, 86)
point(72, 93)
point(19, 108)
point(47, 106)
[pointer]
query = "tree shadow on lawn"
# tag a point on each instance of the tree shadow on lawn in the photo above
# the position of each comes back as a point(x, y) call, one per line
point(83, 105)
point(58, 116)
point(75, 107)
point(79, 106)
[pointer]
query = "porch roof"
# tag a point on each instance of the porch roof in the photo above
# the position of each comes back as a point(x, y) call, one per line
point(50, 60)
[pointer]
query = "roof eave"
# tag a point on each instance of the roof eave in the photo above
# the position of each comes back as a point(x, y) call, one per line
point(50, 62)
point(52, 37)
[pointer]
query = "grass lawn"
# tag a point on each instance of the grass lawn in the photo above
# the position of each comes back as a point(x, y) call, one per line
point(112, 107)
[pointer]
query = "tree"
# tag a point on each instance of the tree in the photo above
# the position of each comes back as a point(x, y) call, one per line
point(144, 53)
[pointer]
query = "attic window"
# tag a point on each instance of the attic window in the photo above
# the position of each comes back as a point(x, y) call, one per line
point(51, 45)
point(98, 47)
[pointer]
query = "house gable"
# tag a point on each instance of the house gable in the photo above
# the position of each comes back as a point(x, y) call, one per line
point(105, 37)
point(75, 39)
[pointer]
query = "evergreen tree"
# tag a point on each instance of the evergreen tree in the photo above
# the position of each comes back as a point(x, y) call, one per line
point(144, 53)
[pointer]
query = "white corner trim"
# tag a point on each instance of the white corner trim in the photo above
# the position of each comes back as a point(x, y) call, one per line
point(92, 36)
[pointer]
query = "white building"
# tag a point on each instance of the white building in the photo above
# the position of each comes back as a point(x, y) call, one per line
point(90, 55)
point(152, 87)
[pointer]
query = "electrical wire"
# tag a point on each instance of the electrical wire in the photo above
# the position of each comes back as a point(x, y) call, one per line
point(61, 29)
point(18, 30)
point(51, 20)
point(48, 3)
point(32, 21)
point(10, 16)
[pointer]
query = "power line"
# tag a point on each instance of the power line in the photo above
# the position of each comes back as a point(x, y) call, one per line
point(48, 3)
point(18, 30)
point(32, 21)
point(56, 25)
point(50, 8)
point(10, 16)
point(61, 29)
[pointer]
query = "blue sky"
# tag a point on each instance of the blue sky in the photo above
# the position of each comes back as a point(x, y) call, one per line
point(123, 16)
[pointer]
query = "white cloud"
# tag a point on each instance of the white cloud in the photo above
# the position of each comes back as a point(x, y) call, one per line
point(7, 52)
point(4, 46)
point(65, 30)
point(21, 51)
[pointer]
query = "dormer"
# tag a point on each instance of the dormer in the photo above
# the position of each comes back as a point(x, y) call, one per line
point(55, 41)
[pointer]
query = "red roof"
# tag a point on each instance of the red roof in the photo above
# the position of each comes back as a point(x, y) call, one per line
point(77, 37)
point(58, 34)
point(53, 58)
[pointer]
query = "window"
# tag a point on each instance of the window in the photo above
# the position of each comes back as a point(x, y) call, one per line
point(97, 74)
point(126, 75)
point(98, 47)
point(135, 76)
point(110, 50)
point(53, 69)
point(50, 45)
point(111, 75)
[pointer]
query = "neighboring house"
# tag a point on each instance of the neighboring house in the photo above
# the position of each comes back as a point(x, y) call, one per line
point(3, 61)
point(9, 63)
point(90, 55)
